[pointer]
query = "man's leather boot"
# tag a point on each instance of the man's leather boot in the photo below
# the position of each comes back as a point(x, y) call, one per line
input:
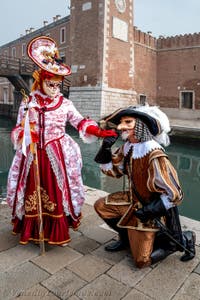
point(189, 239)
point(123, 241)
point(159, 254)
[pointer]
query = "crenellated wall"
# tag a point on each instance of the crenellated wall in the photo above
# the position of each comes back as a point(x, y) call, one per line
point(179, 41)
point(144, 38)
point(178, 70)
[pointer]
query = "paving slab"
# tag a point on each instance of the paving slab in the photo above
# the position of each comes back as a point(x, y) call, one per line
point(93, 194)
point(5, 211)
point(8, 240)
point(97, 233)
point(73, 298)
point(105, 226)
point(164, 280)
point(91, 220)
point(89, 267)
point(189, 224)
point(136, 295)
point(103, 288)
point(109, 257)
point(190, 289)
point(37, 292)
point(56, 259)
point(74, 234)
point(126, 272)
point(87, 210)
point(83, 244)
point(21, 277)
point(64, 284)
point(197, 270)
point(17, 255)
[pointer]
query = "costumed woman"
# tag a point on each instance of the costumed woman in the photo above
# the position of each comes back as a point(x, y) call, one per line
point(146, 215)
point(42, 122)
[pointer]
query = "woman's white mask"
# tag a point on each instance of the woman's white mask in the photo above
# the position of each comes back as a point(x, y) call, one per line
point(51, 87)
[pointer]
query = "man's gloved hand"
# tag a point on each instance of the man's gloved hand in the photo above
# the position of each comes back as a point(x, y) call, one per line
point(150, 211)
point(104, 154)
point(97, 131)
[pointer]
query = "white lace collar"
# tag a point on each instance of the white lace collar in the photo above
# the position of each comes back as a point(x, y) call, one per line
point(34, 99)
point(141, 149)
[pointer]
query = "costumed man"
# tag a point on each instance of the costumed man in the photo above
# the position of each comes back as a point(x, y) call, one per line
point(146, 216)
point(42, 121)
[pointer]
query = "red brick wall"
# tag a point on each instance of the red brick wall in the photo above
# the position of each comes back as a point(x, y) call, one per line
point(118, 51)
point(145, 65)
point(85, 39)
point(178, 69)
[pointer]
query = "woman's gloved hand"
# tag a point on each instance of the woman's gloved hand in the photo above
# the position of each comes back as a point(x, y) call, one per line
point(97, 131)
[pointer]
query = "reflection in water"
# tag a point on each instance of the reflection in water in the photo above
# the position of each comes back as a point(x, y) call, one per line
point(6, 152)
point(185, 158)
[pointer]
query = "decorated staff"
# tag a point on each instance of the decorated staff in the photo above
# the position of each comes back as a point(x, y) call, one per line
point(30, 139)
point(44, 181)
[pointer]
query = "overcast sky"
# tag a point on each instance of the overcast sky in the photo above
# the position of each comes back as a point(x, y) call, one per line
point(167, 17)
point(161, 17)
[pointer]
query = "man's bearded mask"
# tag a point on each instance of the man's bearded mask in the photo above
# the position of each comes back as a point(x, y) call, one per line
point(131, 126)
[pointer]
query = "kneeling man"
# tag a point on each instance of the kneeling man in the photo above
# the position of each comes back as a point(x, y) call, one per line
point(146, 215)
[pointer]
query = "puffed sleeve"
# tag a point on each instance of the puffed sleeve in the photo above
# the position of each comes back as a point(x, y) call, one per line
point(80, 123)
point(163, 179)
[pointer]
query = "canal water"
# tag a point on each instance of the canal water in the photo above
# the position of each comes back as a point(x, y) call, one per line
point(184, 153)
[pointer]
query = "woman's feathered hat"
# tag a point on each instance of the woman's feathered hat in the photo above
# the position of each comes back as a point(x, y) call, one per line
point(156, 120)
point(44, 52)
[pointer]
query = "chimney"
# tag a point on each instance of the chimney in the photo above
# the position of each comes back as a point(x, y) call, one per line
point(27, 31)
point(31, 29)
point(58, 17)
point(54, 19)
point(45, 23)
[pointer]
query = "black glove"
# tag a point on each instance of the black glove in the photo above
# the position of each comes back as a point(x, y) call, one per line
point(104, 154)
point(150, 211)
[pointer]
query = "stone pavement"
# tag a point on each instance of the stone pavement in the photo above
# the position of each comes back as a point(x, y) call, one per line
point(183, 128)
point(186, 124)
point(83, 270)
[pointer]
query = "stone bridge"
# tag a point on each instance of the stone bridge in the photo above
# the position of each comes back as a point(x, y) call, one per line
point(19, 73)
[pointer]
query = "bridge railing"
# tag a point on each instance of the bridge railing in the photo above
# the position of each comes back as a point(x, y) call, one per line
point(13, 64)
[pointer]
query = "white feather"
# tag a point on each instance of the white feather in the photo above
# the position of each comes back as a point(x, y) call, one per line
point(161, 117)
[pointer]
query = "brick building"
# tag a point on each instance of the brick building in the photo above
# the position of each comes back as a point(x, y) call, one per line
point(114, 64)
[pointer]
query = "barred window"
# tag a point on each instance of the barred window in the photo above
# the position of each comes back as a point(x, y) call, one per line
point(143, 99)
point(23, 49)
point(62, 35)
point(187, 99)
point(13, 52)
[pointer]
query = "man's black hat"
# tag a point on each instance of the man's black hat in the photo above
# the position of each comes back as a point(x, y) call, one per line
point(136, 112)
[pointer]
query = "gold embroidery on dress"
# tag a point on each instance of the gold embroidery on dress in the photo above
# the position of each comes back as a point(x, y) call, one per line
point(47, 204)
point(31, 202)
